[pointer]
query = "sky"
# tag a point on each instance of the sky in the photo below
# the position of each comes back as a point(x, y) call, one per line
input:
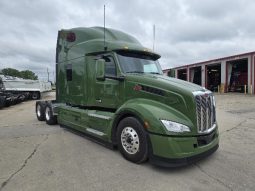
point(187, 31)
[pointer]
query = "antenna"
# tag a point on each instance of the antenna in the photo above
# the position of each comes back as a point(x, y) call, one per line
point(154, 34)
point(105, 48)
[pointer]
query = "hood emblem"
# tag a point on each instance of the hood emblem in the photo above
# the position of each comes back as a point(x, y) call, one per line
point(137, 87)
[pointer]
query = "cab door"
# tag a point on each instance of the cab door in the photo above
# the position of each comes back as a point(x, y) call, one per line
point(107, 92)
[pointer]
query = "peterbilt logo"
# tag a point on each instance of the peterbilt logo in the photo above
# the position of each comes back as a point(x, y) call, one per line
point(137, 87)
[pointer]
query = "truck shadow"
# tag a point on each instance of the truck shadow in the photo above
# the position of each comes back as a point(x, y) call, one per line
point(147, 164)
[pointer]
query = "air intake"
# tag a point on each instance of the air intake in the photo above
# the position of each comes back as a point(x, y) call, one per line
point(153, 90)
point(205, 110)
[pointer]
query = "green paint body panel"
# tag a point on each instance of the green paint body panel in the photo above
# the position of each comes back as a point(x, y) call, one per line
point(94, 106)
point(178, 147)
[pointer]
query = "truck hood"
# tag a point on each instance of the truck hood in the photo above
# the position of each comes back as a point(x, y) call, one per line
point(165, 83)
point(175, 93)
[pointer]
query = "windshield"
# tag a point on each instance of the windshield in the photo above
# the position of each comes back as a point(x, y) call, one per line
point(138, 63)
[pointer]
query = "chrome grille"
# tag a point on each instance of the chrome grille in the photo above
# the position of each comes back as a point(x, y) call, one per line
point(205, 110)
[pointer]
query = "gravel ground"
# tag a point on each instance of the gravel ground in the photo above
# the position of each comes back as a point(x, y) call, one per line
point(35, 156)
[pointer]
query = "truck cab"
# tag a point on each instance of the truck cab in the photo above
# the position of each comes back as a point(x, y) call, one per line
point(114, 90)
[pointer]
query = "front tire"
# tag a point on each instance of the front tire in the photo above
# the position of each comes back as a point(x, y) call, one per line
point(132, 141)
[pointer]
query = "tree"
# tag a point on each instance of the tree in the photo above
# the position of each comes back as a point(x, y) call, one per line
point(26, 74)
point(10, 72)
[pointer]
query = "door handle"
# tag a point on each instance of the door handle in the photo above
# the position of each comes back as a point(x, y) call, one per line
point(99, 100)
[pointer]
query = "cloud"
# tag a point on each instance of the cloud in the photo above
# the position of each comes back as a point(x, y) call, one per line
point(186, 31)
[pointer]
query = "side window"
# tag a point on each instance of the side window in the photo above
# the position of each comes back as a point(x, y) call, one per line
point(110, 67)
point(69, 72)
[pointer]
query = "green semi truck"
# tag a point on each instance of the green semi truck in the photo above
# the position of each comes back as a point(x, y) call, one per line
point(111, 88)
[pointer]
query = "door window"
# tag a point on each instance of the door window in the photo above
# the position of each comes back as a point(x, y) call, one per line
point(110, 67)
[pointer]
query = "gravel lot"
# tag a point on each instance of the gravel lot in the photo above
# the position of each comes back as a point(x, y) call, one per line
point(35, 156)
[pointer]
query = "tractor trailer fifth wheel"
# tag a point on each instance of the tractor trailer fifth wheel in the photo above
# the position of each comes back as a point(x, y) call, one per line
point(113, 90)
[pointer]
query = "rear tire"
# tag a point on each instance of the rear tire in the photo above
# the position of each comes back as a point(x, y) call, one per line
point(7, 103)
point(21, 98)
point(35, 95)
point(2, 102)
point(40, 111)
point(49, 117)
point(132, 142)
point(14, 101)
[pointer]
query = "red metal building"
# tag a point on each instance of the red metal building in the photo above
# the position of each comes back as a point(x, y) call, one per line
point(228, 74)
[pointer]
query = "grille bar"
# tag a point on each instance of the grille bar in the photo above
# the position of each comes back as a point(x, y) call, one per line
point(205, 111)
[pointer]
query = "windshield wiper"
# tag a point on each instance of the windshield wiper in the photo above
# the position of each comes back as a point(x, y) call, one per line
point(140, 72)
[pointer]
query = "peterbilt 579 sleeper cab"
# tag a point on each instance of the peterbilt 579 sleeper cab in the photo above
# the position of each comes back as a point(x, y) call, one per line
point(115, 92)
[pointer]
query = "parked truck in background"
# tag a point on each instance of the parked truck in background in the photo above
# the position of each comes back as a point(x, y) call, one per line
point(6, 98)
point(114, 91)
point(31, 89)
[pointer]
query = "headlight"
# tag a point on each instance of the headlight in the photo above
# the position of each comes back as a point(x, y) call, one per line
point(175, 127)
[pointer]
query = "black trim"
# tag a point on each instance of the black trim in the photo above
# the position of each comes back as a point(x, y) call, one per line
point(178, 162)
point(93, 108)
point(57, 48)
point(152, 90)
point(97, 108)
point(119, 78)
point(99, 53)
point(205, 140)
point(127, 52)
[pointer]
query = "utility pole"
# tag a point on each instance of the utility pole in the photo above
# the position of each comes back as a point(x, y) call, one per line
point(48, 74)
point(105, 47)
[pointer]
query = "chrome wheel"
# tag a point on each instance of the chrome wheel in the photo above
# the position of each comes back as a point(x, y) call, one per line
point(38, 110)
point(47, 113)
point(130, 140)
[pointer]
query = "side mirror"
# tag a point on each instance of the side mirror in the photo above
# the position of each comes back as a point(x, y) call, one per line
point(100, 69)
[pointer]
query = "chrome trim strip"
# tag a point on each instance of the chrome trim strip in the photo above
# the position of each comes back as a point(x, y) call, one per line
point(95, 131)
point(195, 93)
point(99, 116)
point(209, 130)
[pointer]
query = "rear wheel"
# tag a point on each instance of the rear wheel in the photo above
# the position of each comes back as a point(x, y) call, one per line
point(49, 117)
point(40, 111)
point(132, 141)
point(7, 102)
point(2, 102)
point(14, 101)
point(35, 95)
point(21, 98)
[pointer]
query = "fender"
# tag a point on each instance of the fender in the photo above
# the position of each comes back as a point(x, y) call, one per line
point(151, 112)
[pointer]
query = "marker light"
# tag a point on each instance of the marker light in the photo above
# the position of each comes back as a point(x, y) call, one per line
point(146, 125)
point(71, 37)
